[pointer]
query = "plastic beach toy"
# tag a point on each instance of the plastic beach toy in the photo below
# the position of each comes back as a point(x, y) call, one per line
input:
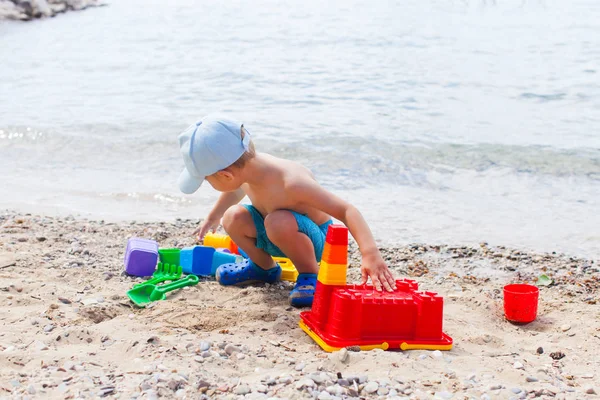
point(521, 302)
point(218, 240)
point(288, 269)
point(164, 272)
point(356, 315)
point(169, 256)
point(141, 257)
point(197, 260)
point(148, 293)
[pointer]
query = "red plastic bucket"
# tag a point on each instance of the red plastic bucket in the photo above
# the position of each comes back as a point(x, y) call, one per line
point(521, 302)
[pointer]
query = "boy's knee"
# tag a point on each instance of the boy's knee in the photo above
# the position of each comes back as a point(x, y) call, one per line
point(280, 223)
point(236, 216)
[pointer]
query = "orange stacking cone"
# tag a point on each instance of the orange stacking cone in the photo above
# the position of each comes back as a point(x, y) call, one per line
point(334, 262)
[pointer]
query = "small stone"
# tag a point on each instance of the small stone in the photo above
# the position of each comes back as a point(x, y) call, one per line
point(40, 346)
point(363, 379)
point(436, 354)
point(48, 328)
point(64, 300)
point(382, 391)
point(343, 382)
point(271, 382)
point(199, 359)
point(261, 388)
point(242, 390)
point(240, 356)
point(443, 395)
point(105, 391)
point(305, 383)
point(318, 378)
point(393, 393)
point(495, 387)
point(590, 391)
point(286, 380)
point(516, 390)
point(230, 349)
point(324, 396)
point(204, 346)
point(35, 322)
point(31, 389)
point(565, 327)
point(540, 350)
point(203, 384)
point(206, 354)
point(371, 387)
point(300, 367)
point(531, 379)
point(89, 301)
point(518, 365)
point(174, 385)
point(145, 386)
point(343, 355)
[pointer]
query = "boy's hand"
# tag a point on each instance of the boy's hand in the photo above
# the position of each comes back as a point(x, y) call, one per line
point(373, 266)
point(209, 224)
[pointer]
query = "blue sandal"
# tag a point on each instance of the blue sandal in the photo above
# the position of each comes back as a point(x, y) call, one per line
point(303, 293)
point(246, 272)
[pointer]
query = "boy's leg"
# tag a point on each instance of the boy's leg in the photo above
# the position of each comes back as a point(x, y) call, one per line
point(282, 230)
point(300, 239)
point(239, 225)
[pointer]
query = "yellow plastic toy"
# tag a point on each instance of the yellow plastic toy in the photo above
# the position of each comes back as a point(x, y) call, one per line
point(288, 269)
point(219, 241)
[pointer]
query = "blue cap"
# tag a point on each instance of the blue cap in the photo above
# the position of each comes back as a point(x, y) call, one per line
point(208, 146)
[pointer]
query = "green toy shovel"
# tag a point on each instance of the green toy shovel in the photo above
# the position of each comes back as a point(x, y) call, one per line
point(164, 272)
point(148, 293)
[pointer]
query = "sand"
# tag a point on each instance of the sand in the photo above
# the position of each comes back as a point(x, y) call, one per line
point(69, 331)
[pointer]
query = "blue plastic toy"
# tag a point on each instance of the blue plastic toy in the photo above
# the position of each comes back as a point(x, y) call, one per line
point(196, 260)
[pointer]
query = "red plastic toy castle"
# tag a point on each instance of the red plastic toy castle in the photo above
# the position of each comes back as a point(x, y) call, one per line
point(357, 315)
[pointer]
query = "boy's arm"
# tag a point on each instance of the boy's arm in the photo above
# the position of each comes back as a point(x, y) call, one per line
point(310, 193)
point(213, 219)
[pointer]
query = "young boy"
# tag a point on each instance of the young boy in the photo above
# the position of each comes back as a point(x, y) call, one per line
point(289, 215)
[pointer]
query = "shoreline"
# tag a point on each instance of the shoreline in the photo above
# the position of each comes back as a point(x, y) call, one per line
point(25, 10)
point(68, 329)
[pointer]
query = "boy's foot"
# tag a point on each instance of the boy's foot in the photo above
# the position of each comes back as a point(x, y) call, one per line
point(304, 291)
point(246, 272)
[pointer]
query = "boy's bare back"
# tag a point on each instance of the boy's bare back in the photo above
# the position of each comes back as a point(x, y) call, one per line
point(278, 186)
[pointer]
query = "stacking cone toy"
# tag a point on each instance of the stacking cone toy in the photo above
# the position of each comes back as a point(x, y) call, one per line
point(357, 315)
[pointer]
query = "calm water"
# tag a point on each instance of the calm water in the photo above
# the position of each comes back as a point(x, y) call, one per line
point(443, 121)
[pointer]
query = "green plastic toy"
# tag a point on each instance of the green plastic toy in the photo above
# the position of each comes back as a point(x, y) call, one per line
point(164, 272)
point(148, 293)
point(169, 256)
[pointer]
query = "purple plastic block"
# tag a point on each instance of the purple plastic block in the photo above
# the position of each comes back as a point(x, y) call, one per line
point(141, 257)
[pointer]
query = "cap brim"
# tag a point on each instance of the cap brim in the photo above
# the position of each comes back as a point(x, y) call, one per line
point(188, 184)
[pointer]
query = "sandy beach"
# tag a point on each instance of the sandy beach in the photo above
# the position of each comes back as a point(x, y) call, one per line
point(70, 332)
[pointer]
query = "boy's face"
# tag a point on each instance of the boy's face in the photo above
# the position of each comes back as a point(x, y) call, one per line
point(224, 181)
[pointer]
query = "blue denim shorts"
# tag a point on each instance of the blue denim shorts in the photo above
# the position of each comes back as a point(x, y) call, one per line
point(316, 233)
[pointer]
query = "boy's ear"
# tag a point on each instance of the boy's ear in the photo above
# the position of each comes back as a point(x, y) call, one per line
point(225, 174)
